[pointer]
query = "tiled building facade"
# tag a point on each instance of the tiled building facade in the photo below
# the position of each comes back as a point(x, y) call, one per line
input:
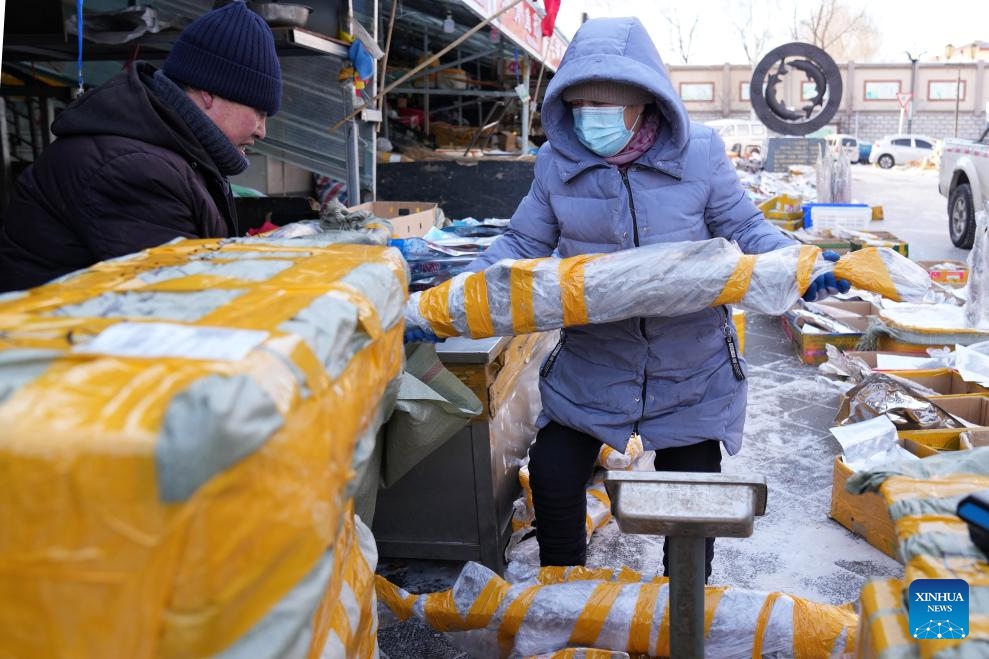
point(871, 100)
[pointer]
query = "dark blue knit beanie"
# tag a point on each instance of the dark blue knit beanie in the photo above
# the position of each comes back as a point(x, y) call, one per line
point(229, 52)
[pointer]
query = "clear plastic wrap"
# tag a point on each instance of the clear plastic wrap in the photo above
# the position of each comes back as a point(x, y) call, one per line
point(521, 296)
point(160, 499)
point(616, 610)
point(977, 308)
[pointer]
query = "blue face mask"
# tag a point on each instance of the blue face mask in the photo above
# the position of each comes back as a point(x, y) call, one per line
point(602, 129)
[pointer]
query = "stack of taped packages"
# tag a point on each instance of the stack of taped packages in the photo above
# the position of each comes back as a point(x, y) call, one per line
point(933, 543)
point(669, 279)
point(180, 432)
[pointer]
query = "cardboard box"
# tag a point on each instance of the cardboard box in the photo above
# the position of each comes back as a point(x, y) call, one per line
point(973, 408)
point(409, 219)
point(887, 343)
point(787, 225)
point(866, 514)
point(951, 273)
point(783, 207)
point(836, 245)
point(811, 343)
point(973, 438)
point(844, 309)
point(945, 381)
point(880, 239)
point(877, 213)
point(873, 357)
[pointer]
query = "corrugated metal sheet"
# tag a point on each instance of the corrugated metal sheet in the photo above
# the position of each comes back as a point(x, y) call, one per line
point(311, 103)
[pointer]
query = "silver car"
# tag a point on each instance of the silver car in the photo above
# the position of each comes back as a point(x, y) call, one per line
point(900, 149)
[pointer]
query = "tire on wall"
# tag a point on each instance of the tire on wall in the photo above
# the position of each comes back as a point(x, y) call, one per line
point(961, 216)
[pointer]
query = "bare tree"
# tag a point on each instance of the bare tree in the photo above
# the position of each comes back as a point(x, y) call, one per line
point(754, 29)
point(846, 34)
point(680, 32)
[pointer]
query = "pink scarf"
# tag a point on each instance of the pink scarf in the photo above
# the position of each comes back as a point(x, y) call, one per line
point(641, 142)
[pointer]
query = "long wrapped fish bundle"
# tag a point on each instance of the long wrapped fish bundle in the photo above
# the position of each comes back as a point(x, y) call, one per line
point(514, 297)
point(617, 610)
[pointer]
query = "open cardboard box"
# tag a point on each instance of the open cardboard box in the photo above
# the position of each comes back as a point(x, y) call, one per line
point(872, 359)
point(811, 342)
point(973, 408)
point(952, 273)
point(409, 219)
point(945, 381)
point(836, 245)
point(880, 239)
point(974, 438)
point(866, 514)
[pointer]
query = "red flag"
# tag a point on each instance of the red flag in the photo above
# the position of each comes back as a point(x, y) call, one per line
point(549, 20)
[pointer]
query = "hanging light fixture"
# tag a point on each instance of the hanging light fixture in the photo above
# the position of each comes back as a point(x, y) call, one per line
point(448, 24)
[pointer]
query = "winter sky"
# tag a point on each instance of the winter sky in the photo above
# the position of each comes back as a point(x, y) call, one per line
point(922, 27)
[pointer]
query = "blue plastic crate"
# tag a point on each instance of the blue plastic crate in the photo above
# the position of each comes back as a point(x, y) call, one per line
point(828, 216)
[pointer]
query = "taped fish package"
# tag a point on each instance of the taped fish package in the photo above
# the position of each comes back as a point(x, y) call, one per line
point(521, 296)
point(179, 434)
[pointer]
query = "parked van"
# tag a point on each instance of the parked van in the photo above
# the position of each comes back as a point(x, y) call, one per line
point(739, 128)
point(743, 139)
point(839, 142)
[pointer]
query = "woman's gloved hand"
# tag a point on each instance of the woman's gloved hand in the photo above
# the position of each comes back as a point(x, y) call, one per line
point(418, 335)
point(826, 284)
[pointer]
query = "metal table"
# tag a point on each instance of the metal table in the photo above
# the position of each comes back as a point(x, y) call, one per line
point(456, 504)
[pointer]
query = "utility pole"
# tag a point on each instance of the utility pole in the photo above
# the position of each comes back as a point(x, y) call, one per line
point(913, 84)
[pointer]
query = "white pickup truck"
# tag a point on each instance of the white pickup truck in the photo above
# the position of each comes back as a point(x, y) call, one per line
point(964, 180)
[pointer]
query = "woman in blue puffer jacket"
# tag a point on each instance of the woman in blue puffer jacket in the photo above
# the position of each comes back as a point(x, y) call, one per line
point(624, 167)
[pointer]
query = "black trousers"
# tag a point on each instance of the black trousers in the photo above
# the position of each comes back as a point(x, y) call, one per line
point(561, 462)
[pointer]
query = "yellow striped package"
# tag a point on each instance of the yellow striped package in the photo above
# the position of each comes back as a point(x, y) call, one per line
point(179, 436)
point(598, 502)
point(934, 543)
point(514, 297)
point(616, 611)
point(883, 622)
point(345, 623)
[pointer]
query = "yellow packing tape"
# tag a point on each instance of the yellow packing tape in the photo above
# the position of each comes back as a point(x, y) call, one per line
point(476, 305)
point(572, 289)
point(866, 269)
point(79, 493)
point(523, 311)
point(738, 282)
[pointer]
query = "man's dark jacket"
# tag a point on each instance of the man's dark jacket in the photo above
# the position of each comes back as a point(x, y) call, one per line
point(125, 173)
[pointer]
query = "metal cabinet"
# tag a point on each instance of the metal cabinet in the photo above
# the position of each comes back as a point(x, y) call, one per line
point(456, 504)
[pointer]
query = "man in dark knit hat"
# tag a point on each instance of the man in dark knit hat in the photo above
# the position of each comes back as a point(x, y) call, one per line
point(144, 158)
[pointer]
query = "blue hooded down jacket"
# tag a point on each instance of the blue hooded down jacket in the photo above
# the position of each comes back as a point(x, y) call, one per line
point(669, 379)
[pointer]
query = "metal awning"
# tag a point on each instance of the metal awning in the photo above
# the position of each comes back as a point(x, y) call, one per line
point(313, 98)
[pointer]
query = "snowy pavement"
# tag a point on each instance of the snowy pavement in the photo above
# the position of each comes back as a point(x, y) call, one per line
point(795, 547)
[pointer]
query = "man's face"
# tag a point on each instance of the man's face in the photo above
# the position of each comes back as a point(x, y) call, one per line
point(240, 123)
